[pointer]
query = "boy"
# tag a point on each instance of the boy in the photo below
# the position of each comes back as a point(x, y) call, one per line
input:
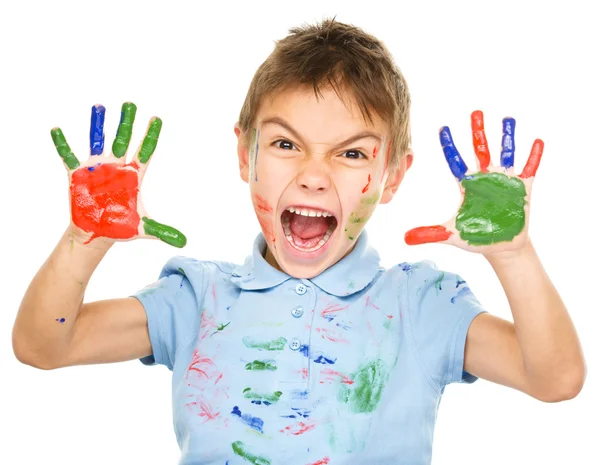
point(309, 352)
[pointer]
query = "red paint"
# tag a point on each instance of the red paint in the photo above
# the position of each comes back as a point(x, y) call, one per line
point(104, 201)
point(375, 152)
point(390, 316)
point(332, 309)
point(303, 372)
point(534, 159)
point(214, 292)
point(366, 188)
point(263, 213)
point(368, 302)
point(326, 334)
point(261, 205)
point(202, 409)
point(299, 429)
point(329, 373)
point(426, 234)
point(479, 140)
point(323, 461)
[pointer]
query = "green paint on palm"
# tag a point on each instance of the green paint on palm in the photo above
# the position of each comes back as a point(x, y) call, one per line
point(261, 365)
point(150, 141)
point(63, 149)
point(365, 393)
point(165, 233)
point(275, 344)
point(121, 142)
point(493, 209)
point(271, 398)
point(242, 450)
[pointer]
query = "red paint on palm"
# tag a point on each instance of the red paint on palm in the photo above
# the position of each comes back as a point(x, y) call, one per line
point(104, 200)
point(426, 234)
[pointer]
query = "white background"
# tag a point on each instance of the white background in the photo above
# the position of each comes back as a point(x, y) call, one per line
point(191, 63)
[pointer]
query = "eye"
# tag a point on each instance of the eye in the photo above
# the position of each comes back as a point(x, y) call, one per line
point(284, 144)
point(353, 154)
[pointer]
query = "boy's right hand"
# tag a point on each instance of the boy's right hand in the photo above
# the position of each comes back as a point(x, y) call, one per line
point(105, 191)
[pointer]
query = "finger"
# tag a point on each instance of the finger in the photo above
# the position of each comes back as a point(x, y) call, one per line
point(163, 232)
point(97, 130)
point(479, 140)
point(149, 143)
point(507, 157)
point(427, 234)
point(123, 137)
point(455, 161)
point(534, 159)
point(63, 149)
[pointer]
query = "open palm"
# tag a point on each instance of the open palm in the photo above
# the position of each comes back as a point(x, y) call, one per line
point(494, 211)
point(105, 191)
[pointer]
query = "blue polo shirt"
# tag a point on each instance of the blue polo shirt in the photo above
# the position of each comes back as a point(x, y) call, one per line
point(346, 368)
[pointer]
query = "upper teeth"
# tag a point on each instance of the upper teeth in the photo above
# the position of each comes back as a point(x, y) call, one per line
point(308, 212)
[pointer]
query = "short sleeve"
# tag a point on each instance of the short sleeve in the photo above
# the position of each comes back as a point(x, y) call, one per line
point(172, 308)
point(441, 309)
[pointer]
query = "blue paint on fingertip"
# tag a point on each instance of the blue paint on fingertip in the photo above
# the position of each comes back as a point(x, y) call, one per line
point(455, 161)
point(97, 130)
point(507, 157)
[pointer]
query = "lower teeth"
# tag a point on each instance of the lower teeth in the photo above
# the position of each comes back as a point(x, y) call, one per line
point(288, 236)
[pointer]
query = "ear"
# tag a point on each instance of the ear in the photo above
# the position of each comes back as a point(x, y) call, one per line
point(242, 150)
point(395, 178)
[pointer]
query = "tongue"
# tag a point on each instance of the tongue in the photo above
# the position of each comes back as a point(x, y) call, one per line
point(308, 229)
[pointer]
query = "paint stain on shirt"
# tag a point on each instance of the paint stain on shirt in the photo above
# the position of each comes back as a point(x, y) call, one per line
point(369, 381)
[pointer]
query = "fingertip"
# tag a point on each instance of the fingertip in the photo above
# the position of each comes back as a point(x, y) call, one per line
point(477, 120)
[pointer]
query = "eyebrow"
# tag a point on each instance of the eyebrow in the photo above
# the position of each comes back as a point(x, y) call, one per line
point(361, 135)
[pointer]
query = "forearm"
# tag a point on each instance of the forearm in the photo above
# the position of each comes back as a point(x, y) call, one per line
point(48, 311)
point(552, 355)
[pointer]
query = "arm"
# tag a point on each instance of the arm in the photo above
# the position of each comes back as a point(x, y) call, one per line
point(540, 354)
point(98, 332)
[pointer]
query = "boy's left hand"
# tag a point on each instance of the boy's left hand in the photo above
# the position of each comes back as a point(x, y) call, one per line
point(494, 212)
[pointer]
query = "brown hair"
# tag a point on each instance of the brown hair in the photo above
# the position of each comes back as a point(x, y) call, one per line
point(344, 57)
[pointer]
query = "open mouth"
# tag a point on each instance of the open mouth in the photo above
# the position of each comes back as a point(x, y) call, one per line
point(307, 229)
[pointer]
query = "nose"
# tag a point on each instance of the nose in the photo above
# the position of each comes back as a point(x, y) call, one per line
point(314, 178)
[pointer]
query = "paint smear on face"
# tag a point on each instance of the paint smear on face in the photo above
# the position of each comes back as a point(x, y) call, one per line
point(264, 214)
point(60, 320)
point(252, 174)
point(493, 209)
point(266, 399)
point(366, 188)
point(261, 365)
point(104, 201)
point(275, 344)
point(242, 450)
point(375, 152)
point(369, 381)
point(359, 217)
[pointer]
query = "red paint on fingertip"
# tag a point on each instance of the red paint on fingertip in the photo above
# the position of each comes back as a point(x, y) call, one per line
point(426, 234)
point(533, 162)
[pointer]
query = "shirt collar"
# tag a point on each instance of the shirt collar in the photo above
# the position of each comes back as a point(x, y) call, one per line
point(351, 274)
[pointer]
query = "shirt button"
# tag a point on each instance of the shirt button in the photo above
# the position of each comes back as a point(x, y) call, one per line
point(297, 312)
point(300, 289)
point(294, 344)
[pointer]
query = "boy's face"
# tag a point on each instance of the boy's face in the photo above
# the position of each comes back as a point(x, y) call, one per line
point(316, 170)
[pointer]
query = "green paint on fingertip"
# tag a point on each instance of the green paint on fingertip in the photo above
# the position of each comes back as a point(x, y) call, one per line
point(239, 448)
point(365, 393)
point(493, 209)
point(150, 141)
point(275, 344)
point(121, 142)
point(63, 149)
point(163, 232)
point(261, 365)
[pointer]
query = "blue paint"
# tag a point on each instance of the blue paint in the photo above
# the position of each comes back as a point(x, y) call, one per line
point(299, 394)
point(455, 161)
point(459, 282)
point(463, 290)
point(324, 360)
point(97, 130)
point(253, 422)
point(406, 267)
point(317, 358)
point(60, 320)
point(91, 168)
point(507, 158)
point(304, 350)
point(261, 402)
point(344, 326)
point(298, 412)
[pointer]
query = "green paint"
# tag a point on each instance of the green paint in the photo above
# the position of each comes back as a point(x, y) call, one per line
point(241, 449)
point(261, 365)
point(438, 282)
point(181, 271)
point(387, 324)
point(275, 344)
point(271, 398)
point(493, 209)
point(358, 219)
point(150, 141)
point(63, 149)
point(121, 143)
point(222, 326)
point(252, 156)
point(165, 233)
point(364, 395)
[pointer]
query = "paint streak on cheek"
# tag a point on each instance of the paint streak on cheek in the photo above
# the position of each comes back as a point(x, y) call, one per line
point(375, 152)
point(359, 217)
point(104, 201)
point(366, 188)
point(264, 213)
